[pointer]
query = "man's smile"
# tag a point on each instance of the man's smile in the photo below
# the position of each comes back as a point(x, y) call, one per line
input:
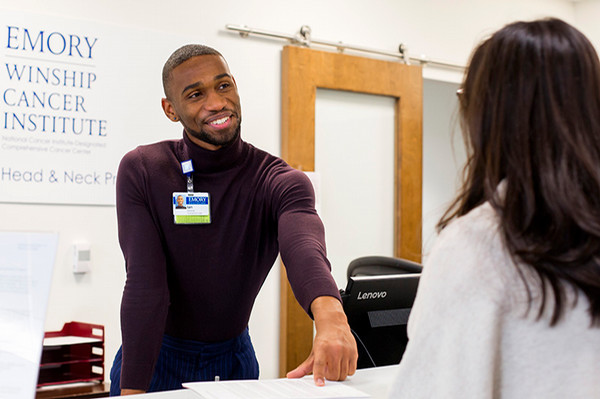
point(220, 123)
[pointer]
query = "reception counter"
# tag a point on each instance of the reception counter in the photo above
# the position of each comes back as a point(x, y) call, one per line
point(373, 381)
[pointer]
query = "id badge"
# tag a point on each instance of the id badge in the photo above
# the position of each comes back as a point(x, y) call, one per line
point(191, 208)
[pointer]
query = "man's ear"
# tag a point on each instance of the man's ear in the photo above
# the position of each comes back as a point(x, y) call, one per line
point(169, 110)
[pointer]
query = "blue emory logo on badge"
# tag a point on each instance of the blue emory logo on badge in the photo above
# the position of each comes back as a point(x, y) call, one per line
point(197, 200)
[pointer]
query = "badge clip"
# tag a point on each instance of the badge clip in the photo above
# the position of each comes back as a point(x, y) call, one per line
point(187, 168)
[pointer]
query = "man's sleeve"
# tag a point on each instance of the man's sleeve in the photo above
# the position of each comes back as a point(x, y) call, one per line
point(145, 296)
point(302, 239)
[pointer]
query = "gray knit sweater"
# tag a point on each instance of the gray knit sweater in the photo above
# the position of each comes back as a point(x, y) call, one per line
point(470, 333)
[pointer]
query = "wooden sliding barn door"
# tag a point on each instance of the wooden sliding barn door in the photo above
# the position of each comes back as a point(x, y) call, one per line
point(303, 71)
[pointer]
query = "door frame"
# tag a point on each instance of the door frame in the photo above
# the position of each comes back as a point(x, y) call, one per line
point(303, 71)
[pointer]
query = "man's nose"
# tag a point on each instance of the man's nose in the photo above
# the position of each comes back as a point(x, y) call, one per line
point(215, 101)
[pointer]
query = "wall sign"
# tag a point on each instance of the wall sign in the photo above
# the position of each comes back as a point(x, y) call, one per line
point(73, 97)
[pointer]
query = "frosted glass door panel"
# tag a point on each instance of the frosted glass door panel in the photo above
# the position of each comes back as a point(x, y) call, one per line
point(354, 158)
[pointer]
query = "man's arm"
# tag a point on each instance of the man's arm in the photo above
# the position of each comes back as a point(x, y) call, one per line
point(302, 248)
point(145, 296)
point(334, 354)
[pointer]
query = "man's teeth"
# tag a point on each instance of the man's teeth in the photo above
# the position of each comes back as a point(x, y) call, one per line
point(220, 121)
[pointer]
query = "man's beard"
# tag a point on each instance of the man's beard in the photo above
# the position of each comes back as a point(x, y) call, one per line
point(217, 140)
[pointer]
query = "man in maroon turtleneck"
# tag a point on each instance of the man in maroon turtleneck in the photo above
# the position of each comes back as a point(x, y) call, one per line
point(193, 274)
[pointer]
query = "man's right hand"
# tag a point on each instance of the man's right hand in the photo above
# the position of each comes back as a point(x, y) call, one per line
point(131, 392)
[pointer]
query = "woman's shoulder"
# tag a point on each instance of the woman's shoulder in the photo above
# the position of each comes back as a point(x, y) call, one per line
point(482, 222)
point(470, 252)
point(475, 234)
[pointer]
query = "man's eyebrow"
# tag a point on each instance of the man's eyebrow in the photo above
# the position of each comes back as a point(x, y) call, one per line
point(192, 86)
point(199, 84)
point(223, 75)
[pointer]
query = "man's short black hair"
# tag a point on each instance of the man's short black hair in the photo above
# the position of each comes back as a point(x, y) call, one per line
point(181, 55)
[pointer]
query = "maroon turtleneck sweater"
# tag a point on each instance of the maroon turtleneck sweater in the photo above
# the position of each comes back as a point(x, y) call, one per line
point(199, 282)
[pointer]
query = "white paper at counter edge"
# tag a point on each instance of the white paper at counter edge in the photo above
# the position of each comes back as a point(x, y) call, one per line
point(272, 389)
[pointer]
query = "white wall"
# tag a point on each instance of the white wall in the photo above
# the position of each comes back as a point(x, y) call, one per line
point(586, 15)
point(443, 154)
point(440, 29)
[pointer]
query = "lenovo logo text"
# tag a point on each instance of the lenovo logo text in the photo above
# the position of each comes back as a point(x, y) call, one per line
point(371, 295)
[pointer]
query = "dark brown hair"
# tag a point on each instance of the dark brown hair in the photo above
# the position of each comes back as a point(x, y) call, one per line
point(530, 114)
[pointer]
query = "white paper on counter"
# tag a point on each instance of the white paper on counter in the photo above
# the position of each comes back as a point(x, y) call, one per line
point(303, 388)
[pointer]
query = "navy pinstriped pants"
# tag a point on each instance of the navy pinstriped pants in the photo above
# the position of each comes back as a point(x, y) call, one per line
point(183, 360)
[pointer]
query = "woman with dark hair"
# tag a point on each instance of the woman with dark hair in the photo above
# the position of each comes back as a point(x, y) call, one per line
point(509, 301)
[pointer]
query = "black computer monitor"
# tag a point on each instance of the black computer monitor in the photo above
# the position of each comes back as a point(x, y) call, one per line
point(377, 308)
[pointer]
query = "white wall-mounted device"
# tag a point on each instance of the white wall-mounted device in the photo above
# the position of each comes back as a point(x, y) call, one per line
point(82, 257)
